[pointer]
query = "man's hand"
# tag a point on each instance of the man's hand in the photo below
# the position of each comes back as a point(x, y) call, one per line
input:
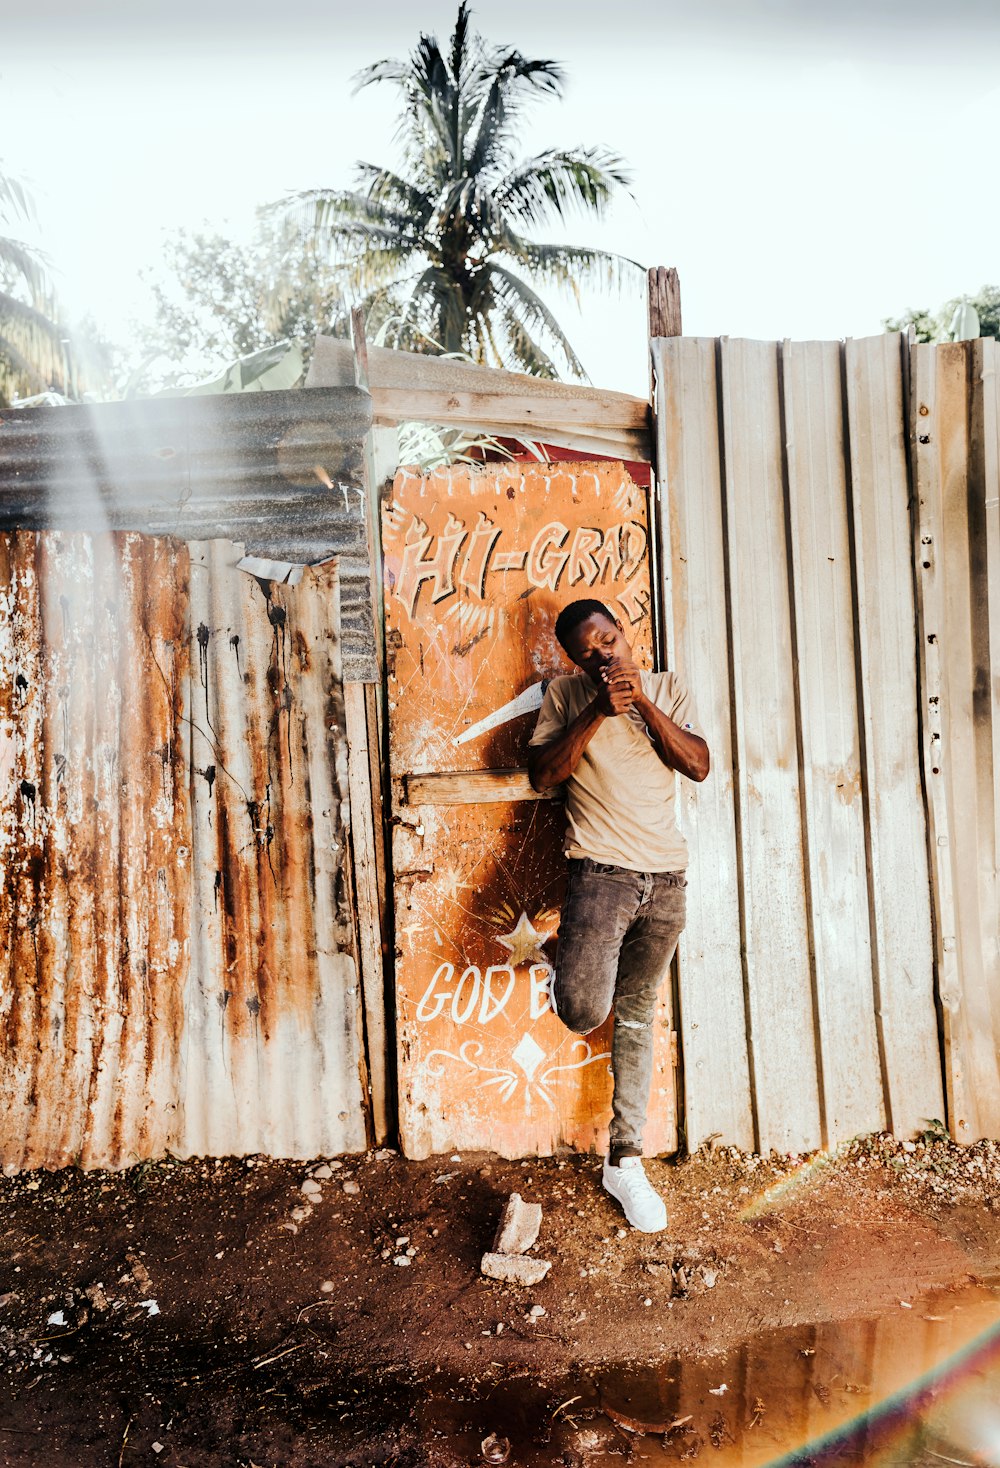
point(620, 684)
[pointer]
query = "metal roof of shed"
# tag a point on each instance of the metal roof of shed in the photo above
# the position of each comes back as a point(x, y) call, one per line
point(253, 468)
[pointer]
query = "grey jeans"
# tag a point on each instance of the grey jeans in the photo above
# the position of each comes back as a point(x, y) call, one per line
point(617, 935)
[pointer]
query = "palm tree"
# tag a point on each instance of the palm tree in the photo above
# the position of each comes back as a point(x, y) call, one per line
point(31, 342)
point(441, 253)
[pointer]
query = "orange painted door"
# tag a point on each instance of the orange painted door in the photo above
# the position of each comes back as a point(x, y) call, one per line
point(478, 564)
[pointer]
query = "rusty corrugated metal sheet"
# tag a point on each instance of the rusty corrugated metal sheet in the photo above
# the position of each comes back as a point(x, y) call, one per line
point(238, 466)
point(177, 970)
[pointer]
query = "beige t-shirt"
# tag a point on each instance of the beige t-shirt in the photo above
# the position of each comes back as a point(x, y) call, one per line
point(620, 797)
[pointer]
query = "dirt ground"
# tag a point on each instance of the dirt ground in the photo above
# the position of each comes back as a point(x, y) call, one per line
point(214, 1313)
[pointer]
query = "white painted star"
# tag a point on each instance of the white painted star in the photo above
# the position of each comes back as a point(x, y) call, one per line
point(524, 942)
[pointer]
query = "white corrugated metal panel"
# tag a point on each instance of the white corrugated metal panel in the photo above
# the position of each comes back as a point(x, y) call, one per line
point(956, 474)
point(779, 982)
point(176, 956)
point(790, 602)
point(831, 770)
point(713, 1018)
point(897, 834)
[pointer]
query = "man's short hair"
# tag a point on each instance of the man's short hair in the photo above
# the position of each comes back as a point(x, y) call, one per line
point(578, 611)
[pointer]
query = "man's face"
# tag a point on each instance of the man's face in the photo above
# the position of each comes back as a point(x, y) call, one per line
point(594, 642)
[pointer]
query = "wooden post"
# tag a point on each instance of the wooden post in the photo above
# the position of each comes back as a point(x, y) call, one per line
point(366, 781)
point(664, 298)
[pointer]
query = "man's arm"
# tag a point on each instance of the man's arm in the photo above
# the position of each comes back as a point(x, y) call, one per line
point(552, 764)
point(676, 747)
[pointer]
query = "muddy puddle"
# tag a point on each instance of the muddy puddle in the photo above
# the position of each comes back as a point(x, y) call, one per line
point(918, 1386)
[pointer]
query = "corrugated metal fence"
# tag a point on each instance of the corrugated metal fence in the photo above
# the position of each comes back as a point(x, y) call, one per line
point(177, 952)
point(844, 653)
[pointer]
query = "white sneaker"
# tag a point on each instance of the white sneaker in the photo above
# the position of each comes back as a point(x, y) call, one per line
point(629, 1185)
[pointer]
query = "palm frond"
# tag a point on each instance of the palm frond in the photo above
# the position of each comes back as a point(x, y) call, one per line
point(503, 86)
point(15, 199)
point(523, 351)
point(325, 209)
point(531, 311)
point(571, 265)
point(558, 180)
point(18, 260)
point(388, 190)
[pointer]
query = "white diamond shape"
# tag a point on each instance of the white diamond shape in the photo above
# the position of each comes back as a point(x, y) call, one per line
point(529, 1055)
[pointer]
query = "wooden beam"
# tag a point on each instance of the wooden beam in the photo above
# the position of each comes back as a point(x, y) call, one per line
point(407, 386)
point(472, 787)
point(664, 296)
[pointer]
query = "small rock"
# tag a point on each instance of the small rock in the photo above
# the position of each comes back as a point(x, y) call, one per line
point(402, 1259)
point(311, 1188)
point(515, 1268)
point(709, 1276)
point(328, 1287)
point(384, 1154)
point(96, 1296)
point(139, 1272)
point(909, 1146)
point(150, 1307)
point(157, 1447)
point(536, 1312)
point(519, 1226)
point(647, 1301)
point(402, 1241)
point(323, 1172)
point(301, 1214)
point(351, 1187)
point(56, 1318)
point(444, 1177)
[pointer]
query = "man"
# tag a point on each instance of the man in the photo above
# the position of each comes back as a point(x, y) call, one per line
point(615, 737)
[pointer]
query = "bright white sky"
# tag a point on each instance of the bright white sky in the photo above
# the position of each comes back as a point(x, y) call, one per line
point(808, 166)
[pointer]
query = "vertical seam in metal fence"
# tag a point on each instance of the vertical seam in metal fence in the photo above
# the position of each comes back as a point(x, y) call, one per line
point(661, 582)
point(852, 534)
point(799, 748)
point(735, 737)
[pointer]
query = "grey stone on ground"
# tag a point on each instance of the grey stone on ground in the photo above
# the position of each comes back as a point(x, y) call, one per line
point(515, 1268)
point(518, 1227)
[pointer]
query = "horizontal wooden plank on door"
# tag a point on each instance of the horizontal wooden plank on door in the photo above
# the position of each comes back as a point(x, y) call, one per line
point(713, 1020)
point(779, 980)
point(899, 894)
point(472, 787)
point(831, 774)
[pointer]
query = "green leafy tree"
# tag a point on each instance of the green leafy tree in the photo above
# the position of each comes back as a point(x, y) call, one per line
point(935, 326)
point(33, 352)
point(222, 301)
point(445, 253)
